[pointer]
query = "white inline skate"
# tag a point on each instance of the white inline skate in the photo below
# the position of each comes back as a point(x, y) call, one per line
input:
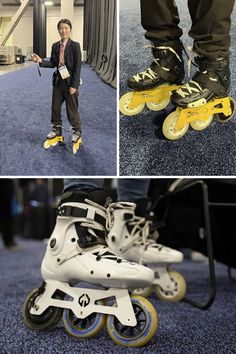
point(128, 238)
point(77, 252)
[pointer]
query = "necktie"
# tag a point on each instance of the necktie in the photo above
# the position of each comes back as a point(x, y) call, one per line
point(62, 62)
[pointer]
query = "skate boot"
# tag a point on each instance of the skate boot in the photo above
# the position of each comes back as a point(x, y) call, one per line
point(77, 252)
point(129, 238)
point(201, 99)
point(154, 85)
point(54, 137)
point(76, 140)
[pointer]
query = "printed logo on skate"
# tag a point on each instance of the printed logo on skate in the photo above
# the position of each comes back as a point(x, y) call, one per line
point(84, 300)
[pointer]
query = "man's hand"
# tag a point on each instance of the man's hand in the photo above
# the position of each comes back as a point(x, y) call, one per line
point(36, 58)
point(72, 90)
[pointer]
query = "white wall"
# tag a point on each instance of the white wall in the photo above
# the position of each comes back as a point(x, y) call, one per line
point(53, 16)
point(23, 33)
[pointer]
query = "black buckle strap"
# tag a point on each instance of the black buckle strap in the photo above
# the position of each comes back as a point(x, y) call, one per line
point(67, 210)
point(203, 80)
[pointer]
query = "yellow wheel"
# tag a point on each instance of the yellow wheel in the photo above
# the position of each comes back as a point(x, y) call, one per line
point(158, 106)
point(221, 118)
point(47, 144)
point(83, 327)
point(124, 105)
point(201, 124)
point(169, 124)
point(76, 146)
point(140, 334)
point(179, 288)
point(145, 292)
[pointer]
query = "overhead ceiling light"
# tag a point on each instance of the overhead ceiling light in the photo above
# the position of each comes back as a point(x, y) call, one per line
point(48, 3)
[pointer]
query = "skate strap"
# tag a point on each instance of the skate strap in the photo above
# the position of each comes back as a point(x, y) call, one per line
point(76, 212)
point(206, 82)
point(163, 73)
point(87, 237)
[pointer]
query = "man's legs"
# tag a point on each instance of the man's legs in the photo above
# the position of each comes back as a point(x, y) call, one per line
point(131, 189)
point(82, 183)
point(211, 27)
point(160, 19)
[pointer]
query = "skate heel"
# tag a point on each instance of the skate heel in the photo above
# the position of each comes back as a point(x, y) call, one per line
point(199, 117)
point(156, 99)
point(76, 145)
point(53, 142)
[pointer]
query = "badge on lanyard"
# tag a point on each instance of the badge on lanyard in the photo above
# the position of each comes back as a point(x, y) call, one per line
point(63, 72)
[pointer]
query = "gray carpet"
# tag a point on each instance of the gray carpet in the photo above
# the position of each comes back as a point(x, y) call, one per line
point(182, 328)
point(143, 149)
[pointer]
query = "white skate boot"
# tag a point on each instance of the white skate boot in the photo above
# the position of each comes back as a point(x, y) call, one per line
point(128, 238)
point(77, 252)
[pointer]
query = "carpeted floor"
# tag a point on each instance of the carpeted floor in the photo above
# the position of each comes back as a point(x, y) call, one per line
point(143, 149)
point(182, 328)
point(25, 102)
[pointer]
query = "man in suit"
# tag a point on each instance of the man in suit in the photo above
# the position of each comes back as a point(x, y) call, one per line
point(66, 55)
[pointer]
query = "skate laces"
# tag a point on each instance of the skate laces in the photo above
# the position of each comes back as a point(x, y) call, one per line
point(192, 86)
point(105, 252)
point(149, 72)
point(139, 227)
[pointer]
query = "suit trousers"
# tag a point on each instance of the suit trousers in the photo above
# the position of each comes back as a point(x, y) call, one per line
point(59, 95)
point(210, 28)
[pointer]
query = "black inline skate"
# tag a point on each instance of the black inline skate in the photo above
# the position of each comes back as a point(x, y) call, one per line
point(202, 98)
point(76, 139)
point(54, 137)
point(154, 85)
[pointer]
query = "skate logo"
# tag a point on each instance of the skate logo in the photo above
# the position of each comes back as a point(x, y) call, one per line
point(84, 300)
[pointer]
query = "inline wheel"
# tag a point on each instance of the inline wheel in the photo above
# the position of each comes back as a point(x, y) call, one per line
point(125, 105)
point(169, 124)
point(221, 118)
point(142, 333)
point(47, 320)
point(145, 292)
point(87, 327)
point(179, 288)
point(199, 124)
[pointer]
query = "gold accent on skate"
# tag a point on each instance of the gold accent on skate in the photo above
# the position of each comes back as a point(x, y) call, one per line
point(156, 99)
point(76, 145)
point(177, 123)
point(53, 142)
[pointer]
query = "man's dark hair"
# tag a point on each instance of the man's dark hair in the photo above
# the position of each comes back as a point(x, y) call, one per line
point(64, 20)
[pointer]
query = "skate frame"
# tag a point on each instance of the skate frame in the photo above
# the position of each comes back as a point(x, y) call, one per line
point(190, 114)
point(85, 301)
point(157, 95)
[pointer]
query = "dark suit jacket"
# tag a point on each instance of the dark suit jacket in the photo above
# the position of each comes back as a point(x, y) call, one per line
point(72, 56)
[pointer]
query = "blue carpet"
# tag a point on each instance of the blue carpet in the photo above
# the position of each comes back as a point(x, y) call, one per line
point(182, 328)
point(143, 149)
point(25, 102)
